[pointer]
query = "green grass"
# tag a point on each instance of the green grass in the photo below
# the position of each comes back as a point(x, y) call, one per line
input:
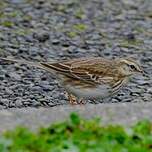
point(79, 135)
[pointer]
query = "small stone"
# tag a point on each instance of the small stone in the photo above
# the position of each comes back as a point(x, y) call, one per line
point(2, 77)
point(42, 36)
point(55, 41)
point(27, 103)
point(12, 104)
point(130, 36)
point(47, 88)
point(36, 89)
point(149, 90)
point(4, 101)
point(8, 91)
point(147, 97)
point(29, 38)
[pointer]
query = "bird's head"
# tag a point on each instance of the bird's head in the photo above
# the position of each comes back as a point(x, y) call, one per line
point(129, 66)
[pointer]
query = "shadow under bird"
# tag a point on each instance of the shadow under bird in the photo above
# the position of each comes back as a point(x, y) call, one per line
point(89, 78)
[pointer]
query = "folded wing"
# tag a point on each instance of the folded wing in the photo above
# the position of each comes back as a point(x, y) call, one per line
point(91, 70)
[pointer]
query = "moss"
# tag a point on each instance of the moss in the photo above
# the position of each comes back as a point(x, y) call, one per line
point(22, 31)
point(7, 23)
point(2, 15)
point(144, 31)
point(13, 14)
point(72, 34)
point(76, 30)
point(131, 44)
point(61, 8)
point(1, 51)
point(27, 17)
point(139, 29)
point(79, 14)
point(80, 27)
point(3, 4)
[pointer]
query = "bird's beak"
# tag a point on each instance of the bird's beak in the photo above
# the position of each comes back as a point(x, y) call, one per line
point(141, 71)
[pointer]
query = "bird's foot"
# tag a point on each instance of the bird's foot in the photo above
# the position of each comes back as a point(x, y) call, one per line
point(82, 102)
point(71, 98)
point(73, 101)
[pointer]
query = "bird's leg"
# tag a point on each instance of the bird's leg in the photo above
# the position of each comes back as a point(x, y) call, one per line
point(73, 101)
point(82, 102)
point(71, 98)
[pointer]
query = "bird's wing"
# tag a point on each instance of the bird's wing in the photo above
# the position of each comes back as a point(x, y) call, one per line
point(90, 70)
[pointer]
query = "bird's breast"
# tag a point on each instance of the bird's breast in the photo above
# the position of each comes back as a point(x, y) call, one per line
point(98, 92)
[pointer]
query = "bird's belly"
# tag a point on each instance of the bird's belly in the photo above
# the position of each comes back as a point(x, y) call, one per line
point(100, 92)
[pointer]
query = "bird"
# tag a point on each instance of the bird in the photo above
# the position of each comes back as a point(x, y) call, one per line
point(89, 78)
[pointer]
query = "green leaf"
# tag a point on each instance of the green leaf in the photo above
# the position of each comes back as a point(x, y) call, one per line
point(75, 119)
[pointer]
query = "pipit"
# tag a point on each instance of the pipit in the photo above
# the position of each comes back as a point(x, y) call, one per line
point(89, 78)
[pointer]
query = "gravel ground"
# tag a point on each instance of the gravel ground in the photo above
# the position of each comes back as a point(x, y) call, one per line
point(42, 30)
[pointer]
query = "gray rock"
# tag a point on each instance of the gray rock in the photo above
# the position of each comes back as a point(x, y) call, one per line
point(36, 89)
point(41, 36)
point(2, 77)
point(15, 76)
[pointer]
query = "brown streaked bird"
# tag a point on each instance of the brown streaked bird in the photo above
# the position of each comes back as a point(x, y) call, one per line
point(89, 78)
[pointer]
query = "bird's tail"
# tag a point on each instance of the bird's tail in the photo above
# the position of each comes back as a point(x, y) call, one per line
point(47, 66)
point(11, 60)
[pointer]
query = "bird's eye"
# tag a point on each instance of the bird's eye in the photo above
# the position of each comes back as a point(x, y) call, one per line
point(132, 67)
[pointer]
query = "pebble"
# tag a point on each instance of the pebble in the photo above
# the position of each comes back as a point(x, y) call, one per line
point(36, 89)
point(130, 36)
point(55, 41)
point(149, 90)
point(41, 36)
point(15, 76)
point(2, 77)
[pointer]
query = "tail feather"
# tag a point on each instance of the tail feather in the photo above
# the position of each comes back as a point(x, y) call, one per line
point(35, 64)
point(47, 66)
